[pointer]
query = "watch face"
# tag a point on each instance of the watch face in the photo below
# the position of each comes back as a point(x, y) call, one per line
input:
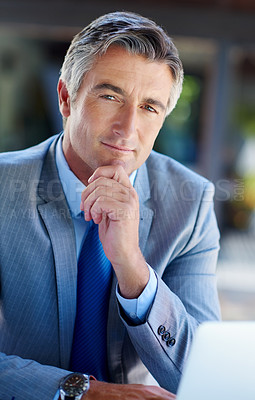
point(75, 384)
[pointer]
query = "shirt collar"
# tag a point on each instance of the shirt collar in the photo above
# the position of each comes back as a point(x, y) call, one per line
point(72, 186)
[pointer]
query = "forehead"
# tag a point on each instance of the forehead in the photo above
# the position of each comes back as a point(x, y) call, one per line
point(131, 72)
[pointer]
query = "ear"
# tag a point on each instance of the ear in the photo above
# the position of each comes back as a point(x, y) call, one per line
point(63, 99)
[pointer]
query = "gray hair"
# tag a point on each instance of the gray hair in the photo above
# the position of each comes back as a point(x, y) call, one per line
point(137, 34)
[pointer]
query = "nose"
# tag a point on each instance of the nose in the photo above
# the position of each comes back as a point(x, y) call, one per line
point(126, 121)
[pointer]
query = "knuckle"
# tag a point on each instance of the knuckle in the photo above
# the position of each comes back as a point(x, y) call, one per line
point(119, 168)
point(101, 198)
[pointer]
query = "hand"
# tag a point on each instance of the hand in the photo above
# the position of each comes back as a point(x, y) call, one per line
point(112, 391)
point(112, 202)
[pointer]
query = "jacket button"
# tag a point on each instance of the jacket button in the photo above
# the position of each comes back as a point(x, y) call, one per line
point(171, 342)
point(161, 330)
point(166, 336)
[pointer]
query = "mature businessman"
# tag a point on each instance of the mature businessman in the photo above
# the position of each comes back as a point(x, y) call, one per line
point(135, 319)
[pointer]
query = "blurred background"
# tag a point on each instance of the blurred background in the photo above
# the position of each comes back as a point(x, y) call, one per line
point(212, 129)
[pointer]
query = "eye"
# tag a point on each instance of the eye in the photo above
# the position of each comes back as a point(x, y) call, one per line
point(108, 97)
point(147, 107)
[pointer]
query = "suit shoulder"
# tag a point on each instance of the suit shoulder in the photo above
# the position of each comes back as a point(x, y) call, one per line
point(163, 167)
point(23, 167)
point(170, 177)
point(25, 160)
point(26, 156)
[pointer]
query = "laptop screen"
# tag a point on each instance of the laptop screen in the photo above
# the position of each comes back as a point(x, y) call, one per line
point(221, 363)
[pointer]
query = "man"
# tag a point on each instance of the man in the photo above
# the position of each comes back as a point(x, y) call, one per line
point(156, 224)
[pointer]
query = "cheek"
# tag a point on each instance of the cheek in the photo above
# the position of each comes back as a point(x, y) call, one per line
point(148, 135)
point(146, 143)
point(80, 134)
point(96, 119)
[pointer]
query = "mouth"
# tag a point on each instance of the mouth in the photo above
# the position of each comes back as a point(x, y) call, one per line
point(117, 148)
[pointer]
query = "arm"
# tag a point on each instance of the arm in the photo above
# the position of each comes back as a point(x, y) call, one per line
point(20, 379)
point(186, 293)
point(186, 296)
point(137, 309)
point(112, 202)
point(27, 380)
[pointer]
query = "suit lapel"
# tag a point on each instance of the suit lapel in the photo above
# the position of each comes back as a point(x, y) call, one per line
point(57, 219)
point(142, 186)
point(116, 329)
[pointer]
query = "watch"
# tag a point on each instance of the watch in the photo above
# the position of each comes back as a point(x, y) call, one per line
point(73, 386)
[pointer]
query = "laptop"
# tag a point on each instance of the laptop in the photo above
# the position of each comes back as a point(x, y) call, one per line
point(221, 363)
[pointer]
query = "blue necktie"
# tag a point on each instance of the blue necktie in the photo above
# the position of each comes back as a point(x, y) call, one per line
point(93, 286)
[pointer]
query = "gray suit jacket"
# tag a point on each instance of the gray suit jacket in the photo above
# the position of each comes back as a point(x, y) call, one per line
point(38, 268)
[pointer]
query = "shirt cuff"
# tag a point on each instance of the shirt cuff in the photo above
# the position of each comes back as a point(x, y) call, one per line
point(137, 309)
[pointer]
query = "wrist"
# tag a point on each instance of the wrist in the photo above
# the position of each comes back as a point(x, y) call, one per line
point(74, 386)
point(132, 277)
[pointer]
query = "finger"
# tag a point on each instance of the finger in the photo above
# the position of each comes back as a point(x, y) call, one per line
point(115, 172)
point(103, 193)
point(108, 184)
point(113, 209)
point(108, 187)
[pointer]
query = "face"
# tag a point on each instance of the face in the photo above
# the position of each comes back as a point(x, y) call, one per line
point(117, 114)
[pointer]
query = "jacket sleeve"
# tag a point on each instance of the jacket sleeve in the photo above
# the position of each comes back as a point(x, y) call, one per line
point(22, 379)
point(186, 296)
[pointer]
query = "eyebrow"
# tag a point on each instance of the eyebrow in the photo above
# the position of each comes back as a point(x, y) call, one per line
point(118, 90)
point(109, 86)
